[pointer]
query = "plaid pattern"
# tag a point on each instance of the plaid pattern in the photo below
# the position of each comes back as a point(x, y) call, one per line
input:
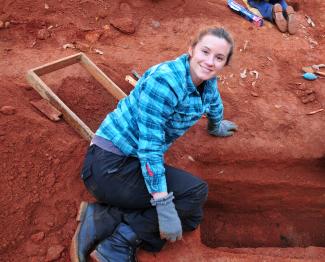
point(163, 106)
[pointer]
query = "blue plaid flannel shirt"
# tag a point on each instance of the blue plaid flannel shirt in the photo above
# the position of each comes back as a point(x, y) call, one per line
point(163, 105)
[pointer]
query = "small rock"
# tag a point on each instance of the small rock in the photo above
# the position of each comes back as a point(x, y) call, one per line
point(254, 73)
point(106, 27)
point(38, 237)
point(82, 47)
point(254, 94)
point(8, 110)
point(97, 51)
point(7, 24)
point(2, 24)
point(123, 24)
point(43, 34)
point(93, 36)
point(54, 253)
point(191, 158)
point(243, 74)
point(155, 24)
point(68, 46)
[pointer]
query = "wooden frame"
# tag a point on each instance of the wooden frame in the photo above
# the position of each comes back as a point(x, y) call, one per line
point(33, 78)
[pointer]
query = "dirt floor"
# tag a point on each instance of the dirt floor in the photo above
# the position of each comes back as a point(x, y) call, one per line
point(267, 183)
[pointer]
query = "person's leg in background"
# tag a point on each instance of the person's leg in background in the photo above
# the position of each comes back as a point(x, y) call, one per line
point(283, 3)
point(289, 14)
point(272, 13)
point(265, 8)
point(277, 12)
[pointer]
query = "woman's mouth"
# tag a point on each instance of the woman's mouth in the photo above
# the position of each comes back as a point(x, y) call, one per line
point(205, 69)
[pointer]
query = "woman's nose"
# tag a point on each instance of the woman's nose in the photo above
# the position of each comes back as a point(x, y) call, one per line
point(210, 60)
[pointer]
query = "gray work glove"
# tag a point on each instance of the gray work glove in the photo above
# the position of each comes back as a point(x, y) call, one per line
point(226, 128)
point(170, 226)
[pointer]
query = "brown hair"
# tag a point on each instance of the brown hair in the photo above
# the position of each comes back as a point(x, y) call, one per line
point(218, 32)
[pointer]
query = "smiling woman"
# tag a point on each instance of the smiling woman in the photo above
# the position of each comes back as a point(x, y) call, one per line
point(145, 202)
point(209, 53)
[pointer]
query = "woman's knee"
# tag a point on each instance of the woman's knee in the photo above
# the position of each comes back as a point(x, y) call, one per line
point(201, 192)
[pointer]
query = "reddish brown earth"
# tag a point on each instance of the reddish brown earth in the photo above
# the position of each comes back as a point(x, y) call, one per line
point(267, 183)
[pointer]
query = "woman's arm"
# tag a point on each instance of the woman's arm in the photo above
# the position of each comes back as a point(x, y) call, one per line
point(156, 103)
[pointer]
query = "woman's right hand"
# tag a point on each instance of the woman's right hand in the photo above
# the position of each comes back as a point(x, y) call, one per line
point(170, 226)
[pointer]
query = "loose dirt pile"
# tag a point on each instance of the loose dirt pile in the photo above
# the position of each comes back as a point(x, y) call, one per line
point(267, 183)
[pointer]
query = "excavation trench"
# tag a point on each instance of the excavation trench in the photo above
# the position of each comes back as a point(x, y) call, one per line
point(265, 207)
point(250, 204)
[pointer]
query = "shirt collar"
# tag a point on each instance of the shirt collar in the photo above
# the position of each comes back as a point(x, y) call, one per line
point(189, 82)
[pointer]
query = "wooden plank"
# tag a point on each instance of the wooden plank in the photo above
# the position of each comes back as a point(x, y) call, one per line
point(33, 77)
point(45, 107)
point(131, 80)
point(56, 65)
point(68, 115)
point(99, 75)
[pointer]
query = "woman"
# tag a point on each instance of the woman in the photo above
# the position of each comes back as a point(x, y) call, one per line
point(143, 201)
point(273, 11)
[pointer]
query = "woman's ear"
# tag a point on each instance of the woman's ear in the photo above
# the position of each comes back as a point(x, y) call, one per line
point(190, 51)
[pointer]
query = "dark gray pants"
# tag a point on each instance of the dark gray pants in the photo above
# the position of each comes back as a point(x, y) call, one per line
point(117, 181)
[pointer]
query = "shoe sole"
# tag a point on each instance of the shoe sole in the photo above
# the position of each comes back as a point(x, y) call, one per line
point(279, 19)
point(292, 21)
point(74, 243)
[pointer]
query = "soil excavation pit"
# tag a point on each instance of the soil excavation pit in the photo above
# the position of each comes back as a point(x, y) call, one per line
point(41, 160)
point(265, 214)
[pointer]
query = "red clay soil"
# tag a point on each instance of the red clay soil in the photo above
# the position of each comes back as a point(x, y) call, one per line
point(267, 183)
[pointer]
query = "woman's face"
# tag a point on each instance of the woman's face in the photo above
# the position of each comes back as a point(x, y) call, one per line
point(207, 58)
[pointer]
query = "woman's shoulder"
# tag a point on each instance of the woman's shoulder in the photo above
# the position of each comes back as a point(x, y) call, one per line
point(171, 69)
point(169, 76)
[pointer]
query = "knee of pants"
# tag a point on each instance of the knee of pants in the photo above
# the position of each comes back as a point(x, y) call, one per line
point(191, 223)
point(201, 193)
point(192, 204)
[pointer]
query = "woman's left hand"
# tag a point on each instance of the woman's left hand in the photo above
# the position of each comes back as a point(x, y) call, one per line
point(226, 128)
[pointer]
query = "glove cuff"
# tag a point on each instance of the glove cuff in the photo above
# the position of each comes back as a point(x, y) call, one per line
point(163, 201)
point(212, 126)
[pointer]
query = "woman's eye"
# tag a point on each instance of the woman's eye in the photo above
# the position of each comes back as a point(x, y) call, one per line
point(220, 58)
point(205, 52)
